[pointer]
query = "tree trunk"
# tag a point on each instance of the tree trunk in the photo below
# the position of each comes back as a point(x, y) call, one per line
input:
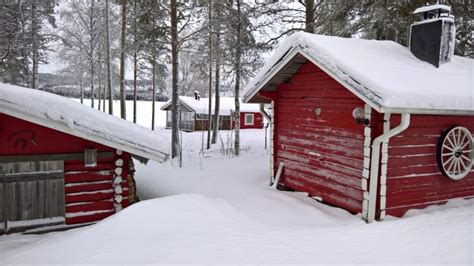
point(153, 64)
point(91, 51)
point(122, 63)
point(215, 125)
point(135, 61)
point(91, 62)
point(238, 55)
point(99, 97)
point(107, 44)
point(174, 81)
point(99, 81)
point(34, 32)
point(81, 85)
point(309, 16)
point(209, 113)
point(103, 98)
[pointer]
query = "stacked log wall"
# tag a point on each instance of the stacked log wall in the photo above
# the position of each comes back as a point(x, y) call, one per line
point(90, 192)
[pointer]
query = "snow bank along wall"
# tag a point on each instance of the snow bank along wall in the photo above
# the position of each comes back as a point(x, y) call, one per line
point(31, 189)
point(327, 154)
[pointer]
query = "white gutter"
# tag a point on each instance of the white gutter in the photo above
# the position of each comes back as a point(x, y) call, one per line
point(375, 161)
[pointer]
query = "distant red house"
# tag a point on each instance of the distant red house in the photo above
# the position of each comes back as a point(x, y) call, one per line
point(368, 126)
point(252, 119)
point(63, 163)
point(193, 112)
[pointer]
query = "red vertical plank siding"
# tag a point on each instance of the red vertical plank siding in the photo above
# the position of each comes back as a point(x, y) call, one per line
point(322, 155)
point(89, 194)
point(413, 177)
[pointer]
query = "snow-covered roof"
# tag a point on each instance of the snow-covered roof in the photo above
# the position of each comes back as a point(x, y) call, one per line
point(201, 106)
point(384, 74)
point(65, 115)
point(431, 8)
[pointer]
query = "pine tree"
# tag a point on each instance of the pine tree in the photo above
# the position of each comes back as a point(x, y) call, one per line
point(24, 39)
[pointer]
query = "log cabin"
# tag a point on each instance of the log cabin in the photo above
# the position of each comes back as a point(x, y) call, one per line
point(193, 114)
point(64, 164)
point(372, 126)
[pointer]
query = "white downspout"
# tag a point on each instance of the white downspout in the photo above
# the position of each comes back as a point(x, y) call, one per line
point(375, 160)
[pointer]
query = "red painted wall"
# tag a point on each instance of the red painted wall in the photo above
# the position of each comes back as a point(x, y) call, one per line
point(413, 177)
point(88, 191)
point(323, 155)
point(257, 120)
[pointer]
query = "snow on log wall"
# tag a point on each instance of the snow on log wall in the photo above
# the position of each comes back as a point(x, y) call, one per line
point(95, 193)
point(91, 193)
point(413, 177)
point(323, 154)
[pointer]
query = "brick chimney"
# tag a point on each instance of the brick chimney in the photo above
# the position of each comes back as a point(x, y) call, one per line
point(432, 36)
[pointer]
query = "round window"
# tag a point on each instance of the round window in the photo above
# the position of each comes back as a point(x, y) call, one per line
point(455, 154)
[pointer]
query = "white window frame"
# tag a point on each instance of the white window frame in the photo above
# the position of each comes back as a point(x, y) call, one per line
point(253, 119)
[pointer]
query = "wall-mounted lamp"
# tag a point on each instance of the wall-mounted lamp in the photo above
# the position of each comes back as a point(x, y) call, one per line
point(90, 157)
point(359, 115)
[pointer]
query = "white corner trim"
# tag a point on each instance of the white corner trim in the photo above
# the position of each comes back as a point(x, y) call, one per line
point(272, 151)
point(366, 165)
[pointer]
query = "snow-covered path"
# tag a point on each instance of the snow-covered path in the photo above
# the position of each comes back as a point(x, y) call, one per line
point(219, 209)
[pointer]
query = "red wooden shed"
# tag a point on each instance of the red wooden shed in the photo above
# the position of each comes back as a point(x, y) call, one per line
point(367, 125)
point(63, 163)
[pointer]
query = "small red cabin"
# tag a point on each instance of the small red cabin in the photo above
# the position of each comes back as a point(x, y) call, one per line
point(63, 163)
point(193, 113)
point(367, 126)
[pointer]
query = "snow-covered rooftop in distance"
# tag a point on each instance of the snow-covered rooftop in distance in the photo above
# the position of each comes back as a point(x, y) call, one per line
point(201, 106)
point(65, 115)
point(384, 74)
point(431, 8)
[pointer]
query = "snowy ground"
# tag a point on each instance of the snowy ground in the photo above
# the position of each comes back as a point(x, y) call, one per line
point(219, 209)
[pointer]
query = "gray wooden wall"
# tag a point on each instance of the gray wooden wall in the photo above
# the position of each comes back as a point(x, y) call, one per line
point(31, 192)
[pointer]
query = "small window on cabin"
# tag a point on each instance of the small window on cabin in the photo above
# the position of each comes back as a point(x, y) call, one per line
point(90, 158)
point(248, 119)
